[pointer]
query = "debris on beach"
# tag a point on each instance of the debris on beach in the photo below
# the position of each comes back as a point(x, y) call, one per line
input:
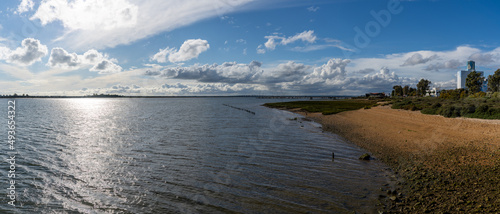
point(365, 156)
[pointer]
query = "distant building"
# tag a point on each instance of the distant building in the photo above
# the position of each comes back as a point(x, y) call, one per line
point(434, 92)
point(462, 75)
point(375, 95)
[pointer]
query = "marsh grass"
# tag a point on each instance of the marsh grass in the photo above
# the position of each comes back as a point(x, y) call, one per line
point(325, 107)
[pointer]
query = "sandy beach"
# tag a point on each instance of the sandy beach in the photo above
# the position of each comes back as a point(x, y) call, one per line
point(445, 164)
point(382, 128)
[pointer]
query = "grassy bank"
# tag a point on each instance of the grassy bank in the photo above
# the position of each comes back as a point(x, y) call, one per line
point(472, 107)
point(325, 107)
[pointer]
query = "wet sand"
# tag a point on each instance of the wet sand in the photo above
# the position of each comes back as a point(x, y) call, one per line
point(444, 164)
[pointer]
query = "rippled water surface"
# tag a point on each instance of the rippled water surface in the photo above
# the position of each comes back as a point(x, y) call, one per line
point(181, 155)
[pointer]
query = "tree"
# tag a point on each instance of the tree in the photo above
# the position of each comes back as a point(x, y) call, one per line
point(474, 82)
point(452, 94)
point(406, 90)
point(398, 90)
point(423, 86)
point(413, 92)
point(494, 81)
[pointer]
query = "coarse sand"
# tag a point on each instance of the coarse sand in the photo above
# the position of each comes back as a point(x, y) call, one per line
point(380, 129)
point(445, 165)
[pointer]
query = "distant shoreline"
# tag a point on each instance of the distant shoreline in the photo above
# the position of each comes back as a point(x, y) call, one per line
point(235, 96)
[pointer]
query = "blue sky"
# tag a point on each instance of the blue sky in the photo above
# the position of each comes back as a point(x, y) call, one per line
point(241, 47)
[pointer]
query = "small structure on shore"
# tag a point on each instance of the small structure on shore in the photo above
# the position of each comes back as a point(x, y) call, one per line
point(375, 95)
point(434, 92)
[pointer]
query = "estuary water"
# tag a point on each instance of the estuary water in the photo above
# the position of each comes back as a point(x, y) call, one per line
point(179, 155)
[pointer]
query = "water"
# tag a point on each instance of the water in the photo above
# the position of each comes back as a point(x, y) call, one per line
point(180, 155)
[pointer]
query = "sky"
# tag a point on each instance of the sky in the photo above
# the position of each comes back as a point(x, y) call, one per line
point(241, 47)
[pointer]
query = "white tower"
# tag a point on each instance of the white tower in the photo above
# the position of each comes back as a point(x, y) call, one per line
point(462, 75)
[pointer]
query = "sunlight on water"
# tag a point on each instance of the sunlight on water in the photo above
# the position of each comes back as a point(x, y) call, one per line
point(184, 156)
point(90, 155)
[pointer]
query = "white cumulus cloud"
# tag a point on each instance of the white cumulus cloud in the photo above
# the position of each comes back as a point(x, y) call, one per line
point(333, 71)
point(88, 14)
point(190, 49)
point(333, 68)
point(417, 58)
point(25, 6)
point(450, 64)
point(60, 57)
point(334, 76)
point(31, 51)
point(124, 89)
point(228, 72)
point(92, 59)
point(106, 67)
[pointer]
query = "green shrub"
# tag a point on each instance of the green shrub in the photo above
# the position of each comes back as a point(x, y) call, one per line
point(411, 107)
point(402, 104)
point(453, 94)
point(469, 109)
point(482, 109)
point(436, 105)
point(494, 111)
point(487, 107)
point(433, 108)
point(446, 111)
point(451, 111)
point(430, 111)
point(457, 112)
point(478, 94)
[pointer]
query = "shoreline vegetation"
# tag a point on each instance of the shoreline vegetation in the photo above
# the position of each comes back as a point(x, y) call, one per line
point(443, 165)
point(325, 107)
point(479, 105)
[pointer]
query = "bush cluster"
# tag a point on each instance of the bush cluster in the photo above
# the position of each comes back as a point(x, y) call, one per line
point(407, 104)
point(485, 106)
